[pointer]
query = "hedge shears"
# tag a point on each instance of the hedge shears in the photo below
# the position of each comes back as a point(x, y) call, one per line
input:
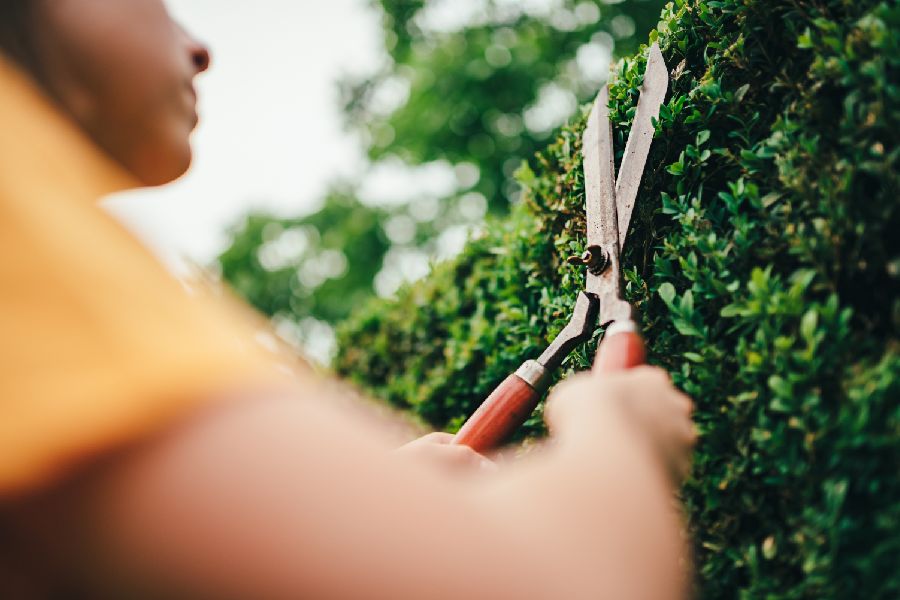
point(609, 204)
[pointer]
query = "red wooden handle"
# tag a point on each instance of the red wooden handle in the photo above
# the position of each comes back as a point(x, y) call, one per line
point(503, 412)
point(622, 348)
point(513, 401)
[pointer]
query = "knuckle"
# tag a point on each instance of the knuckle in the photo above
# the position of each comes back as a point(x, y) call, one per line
point(471, 456)
point(579, 386)
point(692, 436)
point(460, 450)
point(686, 403)
point(566, 386)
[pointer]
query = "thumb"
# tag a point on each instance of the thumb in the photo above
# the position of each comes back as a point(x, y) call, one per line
point(622, 348)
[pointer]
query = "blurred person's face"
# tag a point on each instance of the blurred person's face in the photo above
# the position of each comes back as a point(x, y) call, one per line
point(124, 70)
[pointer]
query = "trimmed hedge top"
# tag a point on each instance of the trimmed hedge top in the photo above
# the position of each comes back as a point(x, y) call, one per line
point(764, 261)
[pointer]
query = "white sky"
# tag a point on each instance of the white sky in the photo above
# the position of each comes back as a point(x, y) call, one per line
point(271, 134)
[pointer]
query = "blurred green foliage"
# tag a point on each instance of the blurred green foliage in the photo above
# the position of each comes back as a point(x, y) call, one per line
point(471, 89)
point(307, 267)
point(764, 262)
point(461, 93)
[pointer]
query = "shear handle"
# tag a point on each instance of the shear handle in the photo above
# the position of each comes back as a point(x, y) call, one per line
point(504, 411)
point(513, 401)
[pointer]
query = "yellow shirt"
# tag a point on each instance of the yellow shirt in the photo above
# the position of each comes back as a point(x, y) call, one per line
point(99, 345)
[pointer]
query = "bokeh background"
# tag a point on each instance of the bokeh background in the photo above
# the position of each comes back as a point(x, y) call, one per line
point(345, 146)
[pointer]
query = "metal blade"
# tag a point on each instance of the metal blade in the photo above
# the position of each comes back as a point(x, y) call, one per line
point(604, 278)
point(599, 170)
point(653, 92)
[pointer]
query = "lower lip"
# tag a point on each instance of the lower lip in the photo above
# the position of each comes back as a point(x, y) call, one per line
point(195, 118)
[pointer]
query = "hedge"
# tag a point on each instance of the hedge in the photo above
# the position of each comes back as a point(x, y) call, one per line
point(764, 261)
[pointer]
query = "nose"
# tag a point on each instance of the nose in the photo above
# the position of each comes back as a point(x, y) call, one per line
point(200, 56)
point(197, 50)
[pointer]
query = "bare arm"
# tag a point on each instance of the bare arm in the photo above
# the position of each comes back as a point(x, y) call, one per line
point(288, 497)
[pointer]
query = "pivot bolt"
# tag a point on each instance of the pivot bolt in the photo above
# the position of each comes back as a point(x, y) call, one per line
point(595, 258)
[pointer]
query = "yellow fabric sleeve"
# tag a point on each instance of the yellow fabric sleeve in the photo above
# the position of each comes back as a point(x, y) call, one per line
point(99, 345)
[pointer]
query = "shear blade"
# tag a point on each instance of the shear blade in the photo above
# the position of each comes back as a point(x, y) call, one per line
point(600, 175)
point(637, 148)
point(609, 203)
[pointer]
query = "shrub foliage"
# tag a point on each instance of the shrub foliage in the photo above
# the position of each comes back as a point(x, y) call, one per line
point(764, 261)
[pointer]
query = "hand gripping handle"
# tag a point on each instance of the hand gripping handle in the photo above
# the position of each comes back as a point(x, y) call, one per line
point(504, 411)
point(513, 401)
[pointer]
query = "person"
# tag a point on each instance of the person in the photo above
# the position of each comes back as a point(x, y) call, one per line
point(150, 447)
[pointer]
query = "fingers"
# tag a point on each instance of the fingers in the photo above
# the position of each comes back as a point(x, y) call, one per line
point(437, 449)
point(678, 445)
point(690, 432)
point(437, 437)
point(464, 456)
point(565, 403)
point(644, 396)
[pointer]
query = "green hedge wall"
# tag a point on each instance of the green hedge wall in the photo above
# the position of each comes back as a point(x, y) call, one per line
point(764, 259)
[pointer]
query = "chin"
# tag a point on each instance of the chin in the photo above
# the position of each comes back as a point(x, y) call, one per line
point(163, 165)
point(182, 165)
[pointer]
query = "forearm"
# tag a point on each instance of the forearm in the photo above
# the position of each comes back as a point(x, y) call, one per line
point(285, 498)
point(278, 498)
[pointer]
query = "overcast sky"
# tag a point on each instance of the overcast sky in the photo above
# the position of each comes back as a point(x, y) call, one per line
point(270, 134)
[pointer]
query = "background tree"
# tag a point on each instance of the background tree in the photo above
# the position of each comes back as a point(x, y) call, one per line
point(486, 87)
point(307, 271)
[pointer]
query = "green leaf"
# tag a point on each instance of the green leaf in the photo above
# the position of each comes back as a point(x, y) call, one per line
point(731, 310)
point(703, 137)
point(808, 324)
point(667, 293)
